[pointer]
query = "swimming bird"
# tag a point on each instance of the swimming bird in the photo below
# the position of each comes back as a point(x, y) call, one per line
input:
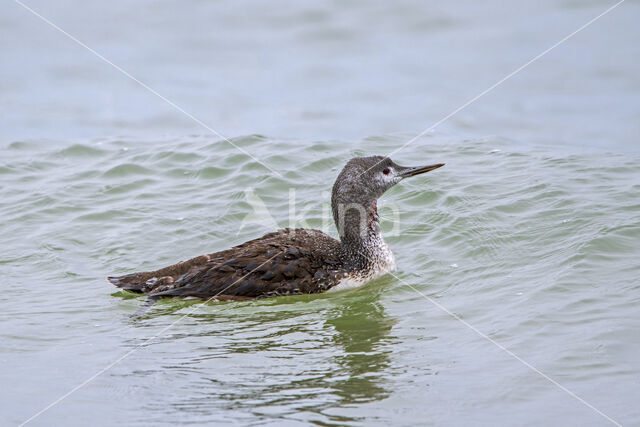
point(294, 260)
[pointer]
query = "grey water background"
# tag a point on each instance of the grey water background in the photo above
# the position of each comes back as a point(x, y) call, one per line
point(531, 233)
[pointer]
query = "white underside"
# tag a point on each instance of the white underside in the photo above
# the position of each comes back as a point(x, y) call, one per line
point(383, 262)
point(356, 281)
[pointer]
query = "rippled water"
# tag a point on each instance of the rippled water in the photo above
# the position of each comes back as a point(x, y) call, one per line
point(536, 248)
point(526, 242)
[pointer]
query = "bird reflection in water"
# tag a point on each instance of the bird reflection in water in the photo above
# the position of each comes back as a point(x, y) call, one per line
point(363, 332)
point(277, 359)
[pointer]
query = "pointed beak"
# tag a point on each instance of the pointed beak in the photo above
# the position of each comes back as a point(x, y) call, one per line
point(407, 172)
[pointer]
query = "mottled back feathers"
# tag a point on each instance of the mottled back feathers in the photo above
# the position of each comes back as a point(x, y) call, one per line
point(288, 261)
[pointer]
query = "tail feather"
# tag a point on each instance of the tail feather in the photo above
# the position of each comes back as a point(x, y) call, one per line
point(131, 282)
point(144, 282)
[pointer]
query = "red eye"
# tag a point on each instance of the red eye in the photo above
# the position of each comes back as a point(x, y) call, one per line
point(386, 171)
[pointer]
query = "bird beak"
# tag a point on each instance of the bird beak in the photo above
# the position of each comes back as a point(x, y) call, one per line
point(406, 173)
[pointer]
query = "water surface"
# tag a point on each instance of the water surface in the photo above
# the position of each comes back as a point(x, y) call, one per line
point(530, 234)
point(537, 249)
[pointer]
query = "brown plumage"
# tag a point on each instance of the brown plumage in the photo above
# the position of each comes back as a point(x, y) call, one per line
point(288, 261)
point(293, 261)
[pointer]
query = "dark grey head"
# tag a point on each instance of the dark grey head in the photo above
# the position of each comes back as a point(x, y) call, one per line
point(360, 183)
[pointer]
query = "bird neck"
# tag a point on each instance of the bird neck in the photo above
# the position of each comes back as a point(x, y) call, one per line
point(359, 228)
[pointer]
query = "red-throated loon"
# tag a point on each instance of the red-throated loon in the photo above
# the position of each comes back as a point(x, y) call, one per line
point(294, 260)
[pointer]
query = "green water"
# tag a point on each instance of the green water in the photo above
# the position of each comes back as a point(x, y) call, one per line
point(516, 297)
point(535, 247)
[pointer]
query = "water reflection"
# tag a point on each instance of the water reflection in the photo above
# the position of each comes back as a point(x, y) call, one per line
point(289, 358)
point(363, 332)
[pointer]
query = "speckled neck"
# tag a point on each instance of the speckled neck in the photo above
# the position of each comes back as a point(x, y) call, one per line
point(362, 245)
point(354, 203)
